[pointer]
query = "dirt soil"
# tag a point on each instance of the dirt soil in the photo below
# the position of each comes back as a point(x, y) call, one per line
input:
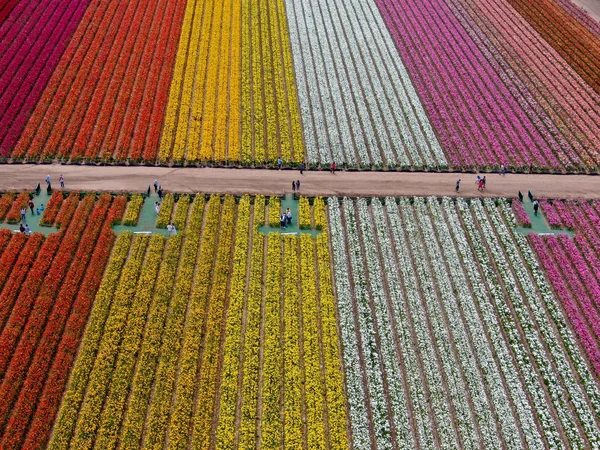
point(260, 181)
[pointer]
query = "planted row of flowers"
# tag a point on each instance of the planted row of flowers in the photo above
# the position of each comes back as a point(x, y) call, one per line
point(521, 215)
point(216, 309)
point(51, 209)
point(132, 214)
point(166, 211)
point(334, 380)
point(252, 342)
point(191, 356)
point(157, 421)
point(14, 213)
point(6, 202)
point(233, 330)
point(304, 213)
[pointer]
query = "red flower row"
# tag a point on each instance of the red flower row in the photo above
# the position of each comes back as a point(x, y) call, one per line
point(15, 368)
point(14, 282)
point(9, 257)
point(52, 209)
point(47, 407)
point(67, 210)
point(5, 203)
point(34, 382)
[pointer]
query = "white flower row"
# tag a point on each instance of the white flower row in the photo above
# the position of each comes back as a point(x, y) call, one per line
point(366, 330)
point(433, 372)
point(385, 330)
point(400, 312)
point(345, 57)
point(427, 270)
point(487, 323)
point(508, 321)
point(455, 296)
point(582, 407)
point(356, 395)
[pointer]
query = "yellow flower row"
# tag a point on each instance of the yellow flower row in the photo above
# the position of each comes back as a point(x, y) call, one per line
point(274, 211)
point(272, 351)
point(174, 106)
point(314, 386)
point(217, 58)
point(249, 415)
point(246, 84)
point(319, 211)
point(89, 414)
point(166, 211)
point(216, 311)
point(181, 212)
point(304, 215)
point(67, 416)
point(233, 330)
point(158, 418)
point(133, 423)
point(119, 388)
point(291, 351)
point(232, 120)
point(270, 113)
point(331, 356)
point(134, 207)
point(190, 354)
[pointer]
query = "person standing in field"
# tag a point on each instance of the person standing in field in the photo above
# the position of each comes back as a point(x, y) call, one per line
point(298, 185)
point(62, 181)
point(293, 186)
point(23, 212)
point(536, 207)
point(457, 185)
point(31, 205)
point(157, 207)
point(279, 163)
point(333, 168)
point(27, 230)
point(483, 181)
point(155, 186)
point(301, 168)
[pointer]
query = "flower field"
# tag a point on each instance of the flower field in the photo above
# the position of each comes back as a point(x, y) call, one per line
point(403, 84)
point(452, 334)
point(405, 323)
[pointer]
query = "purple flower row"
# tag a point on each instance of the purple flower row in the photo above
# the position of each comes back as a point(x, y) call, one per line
point(32, 52)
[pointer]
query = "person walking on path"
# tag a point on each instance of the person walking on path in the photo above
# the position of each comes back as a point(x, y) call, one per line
point(48, 180)
point(457, 185)
point(333, 168)
point(279, 163)
point(293, 186)
point(160, 193)
point(61, 179)
point(301, 168)
point(31, 206)
point(23, 212)
point(155, 186)
point(502, 170)
point(536, 206)
point(282, 220)
point(157, 208)
point(480, 187)
point(298, 186)
point(289, 217)
point(483, 181)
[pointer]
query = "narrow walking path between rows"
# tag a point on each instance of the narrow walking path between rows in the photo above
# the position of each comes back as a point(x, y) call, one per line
point(258, 181)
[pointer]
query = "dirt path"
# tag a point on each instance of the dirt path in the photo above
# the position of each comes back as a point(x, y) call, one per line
point(241, 181)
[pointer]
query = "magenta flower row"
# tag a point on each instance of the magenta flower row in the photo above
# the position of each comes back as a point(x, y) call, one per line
point(520, 213)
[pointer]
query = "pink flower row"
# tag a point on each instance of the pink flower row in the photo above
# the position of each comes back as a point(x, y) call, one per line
point(520, 213)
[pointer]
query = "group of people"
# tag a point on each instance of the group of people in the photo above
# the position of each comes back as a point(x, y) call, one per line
point(171, 229)
point(479, 181)
point(296, 186)
point(61, 180)
point(286, 218)
point(24, 227)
